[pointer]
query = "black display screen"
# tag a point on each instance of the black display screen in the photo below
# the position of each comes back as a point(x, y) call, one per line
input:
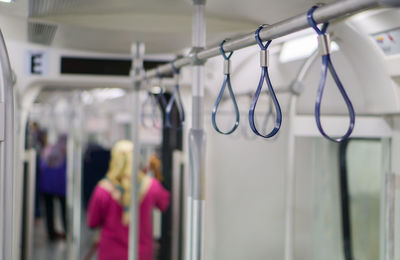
point(102, 66)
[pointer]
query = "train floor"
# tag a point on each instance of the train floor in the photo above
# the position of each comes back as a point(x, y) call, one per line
point(44, 249)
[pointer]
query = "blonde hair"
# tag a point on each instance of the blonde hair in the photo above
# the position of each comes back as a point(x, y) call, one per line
point(118, 177)
point(120, 172)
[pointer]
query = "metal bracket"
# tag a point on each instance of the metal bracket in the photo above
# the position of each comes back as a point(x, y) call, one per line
point(324, 44)
point(193, 56)
point(227, 67)
point(264, 58)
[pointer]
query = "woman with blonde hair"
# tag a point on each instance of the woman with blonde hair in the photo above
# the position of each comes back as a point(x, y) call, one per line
point(109, 206)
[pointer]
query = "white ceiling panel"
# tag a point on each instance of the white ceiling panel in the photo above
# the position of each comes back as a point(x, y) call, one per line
point(250, 10)
point(164, 25)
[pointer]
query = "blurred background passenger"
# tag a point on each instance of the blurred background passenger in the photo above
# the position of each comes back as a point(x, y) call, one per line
point(95, 166)
point(37, 140)
point(109, 206)
point(52, 184)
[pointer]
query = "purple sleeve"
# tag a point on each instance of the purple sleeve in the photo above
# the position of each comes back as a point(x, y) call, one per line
point(162, 196)
point(97, 207)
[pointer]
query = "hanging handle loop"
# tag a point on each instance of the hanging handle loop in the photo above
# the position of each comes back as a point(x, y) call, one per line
point(248, 136)
point(264, 62)
point(160, 97)
point(324, 48)
point(160, 100)
point(149, 101)
point(177, 100)
point(267, 117)
point(227, 82)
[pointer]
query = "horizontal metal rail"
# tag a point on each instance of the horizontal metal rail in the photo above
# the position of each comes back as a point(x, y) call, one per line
point(323, 14)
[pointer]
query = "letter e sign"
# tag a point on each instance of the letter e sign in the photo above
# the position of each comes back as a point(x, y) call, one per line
point(37, 63)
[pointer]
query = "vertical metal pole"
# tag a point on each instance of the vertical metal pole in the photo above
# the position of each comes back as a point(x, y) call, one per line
point(176, 205)
point(197, 139)
point(6, 154)
point(74, 182)
point(17, 182)
point(78, 201)
point(30, 158)
point(137, 68)
point(70, 195)
point(78, 179)
point(188, 221)
point(290, 184)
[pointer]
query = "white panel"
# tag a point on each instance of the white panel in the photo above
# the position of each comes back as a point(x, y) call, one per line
point(245, 203)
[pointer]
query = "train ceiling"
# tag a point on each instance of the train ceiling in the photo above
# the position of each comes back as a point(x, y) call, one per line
point(164, 25)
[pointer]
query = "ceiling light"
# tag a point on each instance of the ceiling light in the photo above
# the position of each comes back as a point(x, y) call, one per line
point(107, 93)
point(6, 1)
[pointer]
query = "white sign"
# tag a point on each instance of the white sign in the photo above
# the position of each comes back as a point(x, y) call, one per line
point(37, 62)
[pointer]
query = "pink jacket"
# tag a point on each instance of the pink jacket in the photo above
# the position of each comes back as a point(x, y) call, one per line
point(105, 212)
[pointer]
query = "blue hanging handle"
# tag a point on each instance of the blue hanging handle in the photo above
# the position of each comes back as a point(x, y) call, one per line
point(264, 76)
point(175, 99)
point(268, 116)
point(227, 82)
point(324, 45)
point(149, 99)
point(244, 127)
point(160, 98)
point(162, 101)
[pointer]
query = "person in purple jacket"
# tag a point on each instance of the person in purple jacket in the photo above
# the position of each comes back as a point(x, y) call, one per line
point(52, 183)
